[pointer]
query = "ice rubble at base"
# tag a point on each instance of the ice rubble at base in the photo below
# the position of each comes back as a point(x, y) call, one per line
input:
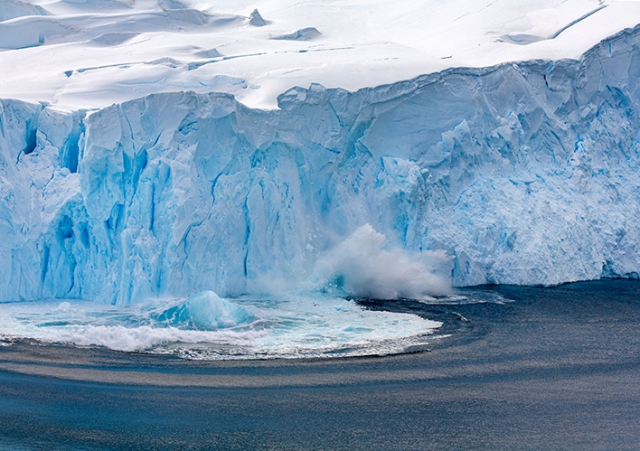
point(286, 326)
point(523, 173)
point(204, 311)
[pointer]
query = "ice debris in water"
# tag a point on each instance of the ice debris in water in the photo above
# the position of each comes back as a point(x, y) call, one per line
point(204, 311)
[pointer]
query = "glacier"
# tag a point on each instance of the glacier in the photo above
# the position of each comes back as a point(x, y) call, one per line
point(522, 173)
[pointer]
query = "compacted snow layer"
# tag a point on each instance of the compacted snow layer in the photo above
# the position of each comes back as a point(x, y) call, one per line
point(522, 173)
point(85, 54)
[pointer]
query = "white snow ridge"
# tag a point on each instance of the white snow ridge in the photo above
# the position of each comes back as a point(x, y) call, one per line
point(170, 150)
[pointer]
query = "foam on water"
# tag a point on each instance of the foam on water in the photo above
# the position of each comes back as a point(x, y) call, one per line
point(289, 327)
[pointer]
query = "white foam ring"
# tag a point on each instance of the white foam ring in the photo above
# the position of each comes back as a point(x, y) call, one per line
point(286, 328)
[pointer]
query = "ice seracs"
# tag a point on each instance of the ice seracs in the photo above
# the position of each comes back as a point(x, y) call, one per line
point(522, 173)
point(256, 19)
point(134, 164)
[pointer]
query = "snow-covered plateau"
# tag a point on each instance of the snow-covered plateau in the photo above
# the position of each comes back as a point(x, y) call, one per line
point(398, 174)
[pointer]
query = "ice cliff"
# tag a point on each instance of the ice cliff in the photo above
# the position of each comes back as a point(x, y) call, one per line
point(524, 173)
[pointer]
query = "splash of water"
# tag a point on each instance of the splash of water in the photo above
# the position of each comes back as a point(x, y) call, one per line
point(363, 266)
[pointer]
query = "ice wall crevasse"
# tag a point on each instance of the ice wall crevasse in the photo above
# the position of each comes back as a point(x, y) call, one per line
point(525, 173)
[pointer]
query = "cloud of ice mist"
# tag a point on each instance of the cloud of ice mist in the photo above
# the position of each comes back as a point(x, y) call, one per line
point(363, 266)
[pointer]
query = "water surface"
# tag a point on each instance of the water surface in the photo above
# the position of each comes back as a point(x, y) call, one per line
point(556, 369)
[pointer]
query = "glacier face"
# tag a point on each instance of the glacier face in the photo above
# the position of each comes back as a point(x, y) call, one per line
point(523, 173)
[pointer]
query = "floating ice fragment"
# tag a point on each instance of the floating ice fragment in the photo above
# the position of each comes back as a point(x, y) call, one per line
point(204, 311)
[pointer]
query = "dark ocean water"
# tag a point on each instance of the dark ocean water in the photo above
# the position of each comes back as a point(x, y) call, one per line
point(556, 369)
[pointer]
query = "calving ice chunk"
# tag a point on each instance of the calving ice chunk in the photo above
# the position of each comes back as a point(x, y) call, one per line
point(203, 311)
point(362, 266)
